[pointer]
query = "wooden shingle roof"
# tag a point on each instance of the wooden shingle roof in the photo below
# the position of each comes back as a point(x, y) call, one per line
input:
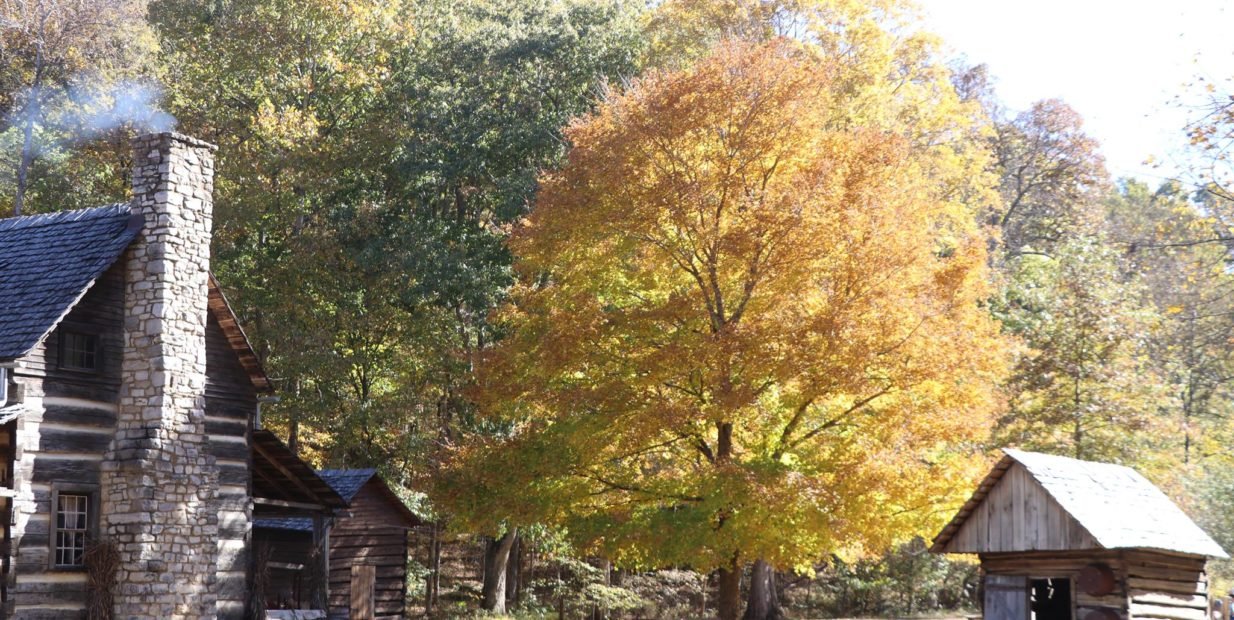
point(1115, 507)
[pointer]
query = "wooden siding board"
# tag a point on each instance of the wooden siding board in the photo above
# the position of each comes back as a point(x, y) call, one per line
point(1018, 515)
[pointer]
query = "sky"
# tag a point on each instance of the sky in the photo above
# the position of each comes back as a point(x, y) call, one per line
point(1123, 65)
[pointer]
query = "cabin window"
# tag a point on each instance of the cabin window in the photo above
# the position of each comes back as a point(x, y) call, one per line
point(79, 351)
point(73, 526)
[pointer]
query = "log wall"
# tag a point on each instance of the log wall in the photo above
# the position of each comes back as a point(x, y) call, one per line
point(231, 401)
point(1150, 584)
point(374, 535)
point(69, 422)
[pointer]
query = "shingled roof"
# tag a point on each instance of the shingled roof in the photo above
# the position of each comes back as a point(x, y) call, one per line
point(47, 262)
point(1115, 505)
point(347, 483)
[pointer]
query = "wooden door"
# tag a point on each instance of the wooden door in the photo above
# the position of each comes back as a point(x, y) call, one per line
point(1006, 597)
point(363, 592)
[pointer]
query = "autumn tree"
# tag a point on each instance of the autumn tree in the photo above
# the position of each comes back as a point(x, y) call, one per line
point(1051, 177)
point(735, 309)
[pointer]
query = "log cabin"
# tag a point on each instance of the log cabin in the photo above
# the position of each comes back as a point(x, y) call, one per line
point(368, 549)
point(1064, 539)
point(128, 393)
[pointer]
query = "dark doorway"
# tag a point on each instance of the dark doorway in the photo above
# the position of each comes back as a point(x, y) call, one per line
point(1051, 598)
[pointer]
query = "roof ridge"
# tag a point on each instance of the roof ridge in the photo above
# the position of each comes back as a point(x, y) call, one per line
point(1014, 451)
point(58, 217)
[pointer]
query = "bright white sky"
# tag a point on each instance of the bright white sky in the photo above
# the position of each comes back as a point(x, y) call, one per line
point(1122, 64)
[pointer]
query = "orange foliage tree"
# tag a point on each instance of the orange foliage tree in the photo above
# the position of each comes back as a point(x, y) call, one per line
point(746, 330)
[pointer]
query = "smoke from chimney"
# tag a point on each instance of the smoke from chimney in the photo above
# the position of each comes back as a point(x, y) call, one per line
point(124, 103)
point(91, 108)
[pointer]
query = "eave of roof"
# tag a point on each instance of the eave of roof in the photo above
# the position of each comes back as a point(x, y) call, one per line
point(236, 337)
point(49, 262)
point(278, 474)
point(983, 489)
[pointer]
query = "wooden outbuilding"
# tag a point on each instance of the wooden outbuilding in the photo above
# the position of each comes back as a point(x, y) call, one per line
point(289, 570)
point(368, 545)
point(1063, 539)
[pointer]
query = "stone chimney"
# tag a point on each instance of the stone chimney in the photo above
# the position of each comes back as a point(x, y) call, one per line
point(159, 482)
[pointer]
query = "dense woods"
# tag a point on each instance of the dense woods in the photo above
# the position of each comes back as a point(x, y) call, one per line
point(675, 309)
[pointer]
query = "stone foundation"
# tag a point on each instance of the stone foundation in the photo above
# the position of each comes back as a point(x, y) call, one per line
point(159, 482)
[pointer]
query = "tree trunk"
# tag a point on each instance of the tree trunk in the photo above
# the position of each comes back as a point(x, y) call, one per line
point(763, 603)
point(729, 602)
point(598, 612)
point(432, 583)
point(496, 555)
point(513, 573)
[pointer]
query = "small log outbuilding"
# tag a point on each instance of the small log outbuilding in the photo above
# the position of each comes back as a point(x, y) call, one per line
point(368, 546)
point(1064, 539)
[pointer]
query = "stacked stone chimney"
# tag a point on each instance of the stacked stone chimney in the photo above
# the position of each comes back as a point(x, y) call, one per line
point(159, 482)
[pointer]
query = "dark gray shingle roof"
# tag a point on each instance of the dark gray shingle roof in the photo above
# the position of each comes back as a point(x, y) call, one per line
point(47, 262)
point(345, 482)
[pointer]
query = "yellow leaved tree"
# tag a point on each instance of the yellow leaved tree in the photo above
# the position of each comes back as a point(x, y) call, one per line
point(747, 330)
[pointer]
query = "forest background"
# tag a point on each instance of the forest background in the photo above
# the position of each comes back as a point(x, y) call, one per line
point(376, 156)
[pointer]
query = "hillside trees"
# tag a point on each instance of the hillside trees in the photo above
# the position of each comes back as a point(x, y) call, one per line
point(1167, 240)
point(293, 91)
point(62, 65)
point(725, 319)
point(371, 156)
point(1085, 386)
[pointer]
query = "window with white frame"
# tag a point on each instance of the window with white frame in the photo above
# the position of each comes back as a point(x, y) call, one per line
point(72, 529)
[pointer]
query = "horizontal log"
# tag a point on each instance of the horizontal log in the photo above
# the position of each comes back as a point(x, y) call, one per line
point(217, 407)
point(1166, 562)
point(64, 440)
point(342, 572)
point(233, 474)
point(389, 596)
point(230, 450)
point(1168, 613)
point(79, 416)
point(343, 542)
point(1113, 599)
point(80, 471)
point(371, 556)
point(1166, 585)
point(231, 428)
point(1198, 601)
point(1173, 574)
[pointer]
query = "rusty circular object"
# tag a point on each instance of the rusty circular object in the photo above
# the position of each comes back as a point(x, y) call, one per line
point(1103, 613)
point(1096, 580)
